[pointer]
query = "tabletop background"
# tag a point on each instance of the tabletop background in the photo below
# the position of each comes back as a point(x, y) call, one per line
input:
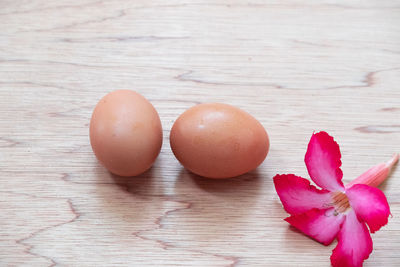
point(297, 66)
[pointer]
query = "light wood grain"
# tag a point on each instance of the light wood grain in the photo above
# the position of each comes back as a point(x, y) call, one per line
point(297, 66)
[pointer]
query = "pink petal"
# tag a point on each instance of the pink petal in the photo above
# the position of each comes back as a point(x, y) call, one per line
point(370, 205)
point(354, 243)
point(323, 162)
point(298, 195)
point(322, 225)
point(375, 175)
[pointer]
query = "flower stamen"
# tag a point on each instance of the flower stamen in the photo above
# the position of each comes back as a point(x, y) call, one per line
point(340, 202)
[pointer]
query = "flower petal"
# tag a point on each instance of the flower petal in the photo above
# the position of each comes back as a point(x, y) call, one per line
point(354, 243)
point(370, 205)
point(375, 175)
point(298, 195)
point(322, 225)
point(323, 162)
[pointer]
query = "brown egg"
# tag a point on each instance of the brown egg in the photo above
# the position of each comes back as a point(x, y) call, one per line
point(125, 133)
point(218, 141)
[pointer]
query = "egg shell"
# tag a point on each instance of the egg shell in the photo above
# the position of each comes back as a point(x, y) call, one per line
point(125, 133)
point(217, 140)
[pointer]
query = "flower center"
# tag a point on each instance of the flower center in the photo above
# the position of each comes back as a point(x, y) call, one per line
point(340, 202)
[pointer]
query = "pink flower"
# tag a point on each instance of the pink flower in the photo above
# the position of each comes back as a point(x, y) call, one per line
point(336, 211)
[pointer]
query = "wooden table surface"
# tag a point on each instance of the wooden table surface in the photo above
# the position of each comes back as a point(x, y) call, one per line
point(297, 66)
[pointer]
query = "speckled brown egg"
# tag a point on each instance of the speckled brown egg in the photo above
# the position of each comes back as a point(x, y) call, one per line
point(125, 133)
point(218, 141)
